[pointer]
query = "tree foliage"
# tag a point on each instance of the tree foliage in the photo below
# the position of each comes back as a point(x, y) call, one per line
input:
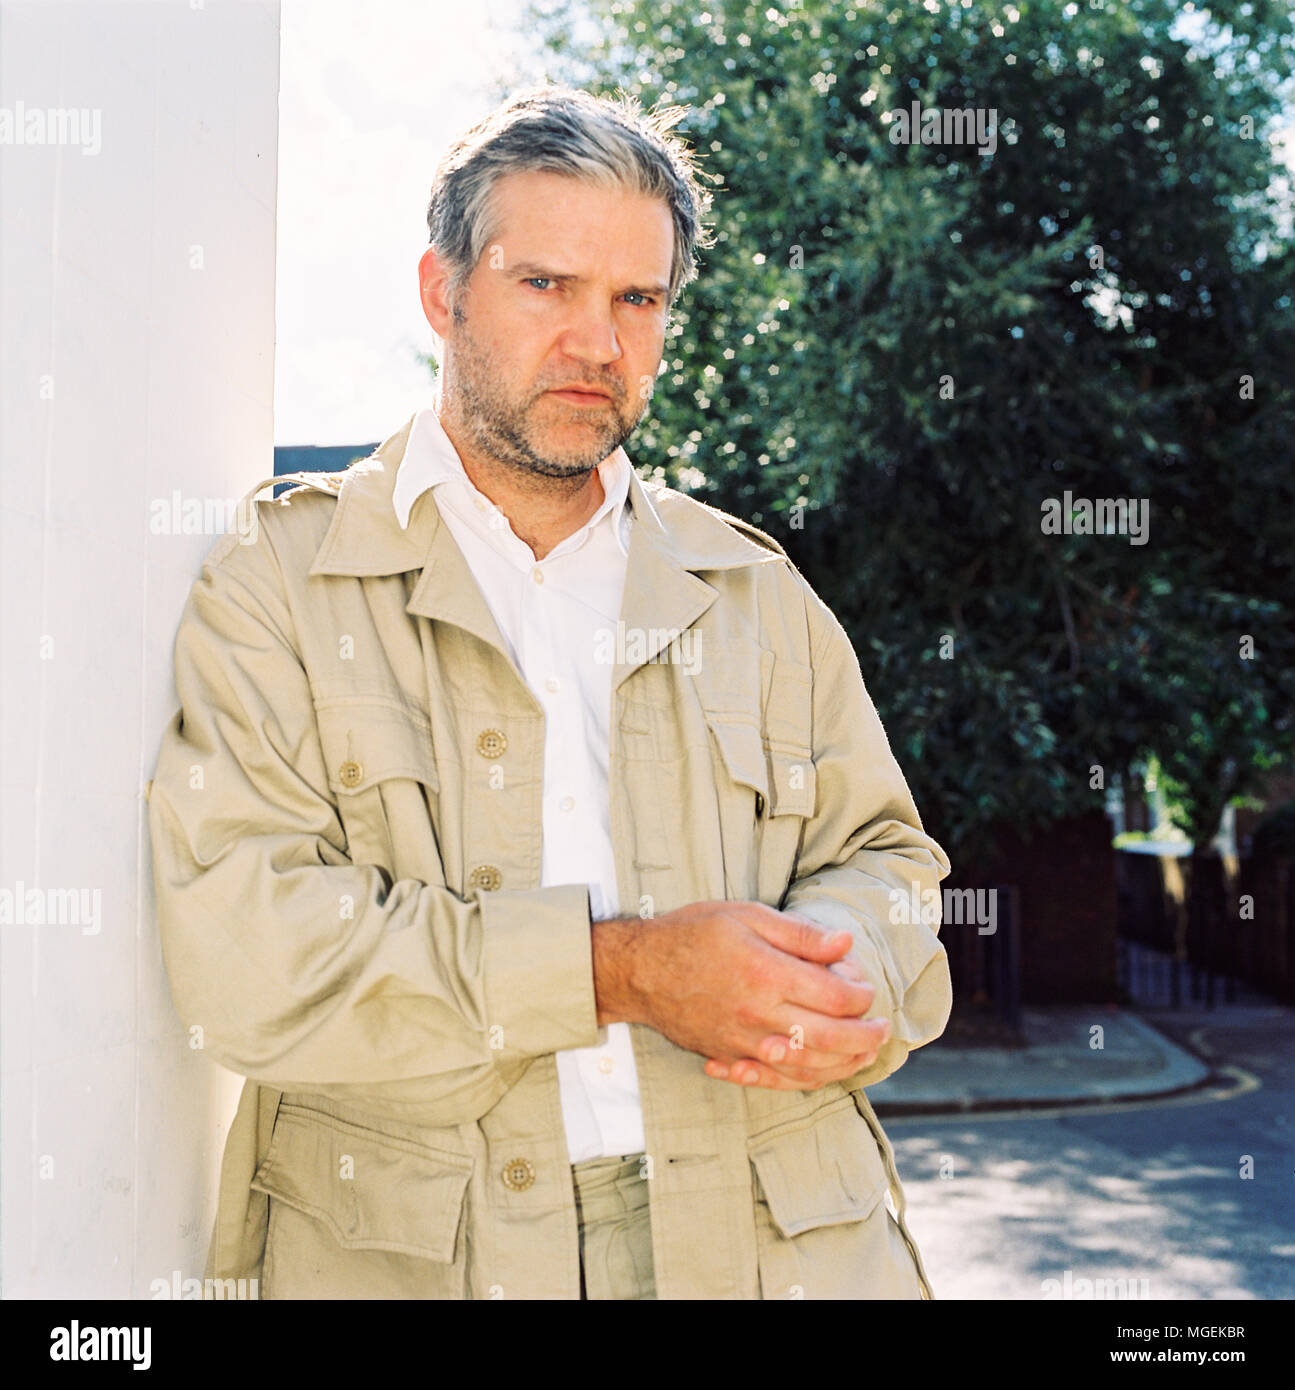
point(897, 353)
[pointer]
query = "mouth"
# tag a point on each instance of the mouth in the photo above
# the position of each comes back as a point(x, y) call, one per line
point(581, 395)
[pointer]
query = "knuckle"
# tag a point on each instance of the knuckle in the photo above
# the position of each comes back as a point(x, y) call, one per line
point(732, 1043)
point(746, 1013)
point(842, 997)
point(757, 969)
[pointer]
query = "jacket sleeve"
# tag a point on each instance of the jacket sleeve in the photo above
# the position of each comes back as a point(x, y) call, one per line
point(300, 967)
point(865, 858)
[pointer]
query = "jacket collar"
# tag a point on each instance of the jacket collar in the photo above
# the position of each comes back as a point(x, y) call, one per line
point(672, 537)
point(429, 459)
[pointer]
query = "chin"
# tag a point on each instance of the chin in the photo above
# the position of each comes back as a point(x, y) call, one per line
point(566, 453)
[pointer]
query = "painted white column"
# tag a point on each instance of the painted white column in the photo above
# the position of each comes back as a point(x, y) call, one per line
point(138, 153)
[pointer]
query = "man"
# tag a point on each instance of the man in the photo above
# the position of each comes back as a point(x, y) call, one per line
point(526, 834)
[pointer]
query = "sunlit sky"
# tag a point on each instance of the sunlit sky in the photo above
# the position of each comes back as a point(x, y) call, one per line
point(370, 96)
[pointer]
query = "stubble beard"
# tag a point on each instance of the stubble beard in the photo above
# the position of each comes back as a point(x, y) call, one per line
point(503, 428)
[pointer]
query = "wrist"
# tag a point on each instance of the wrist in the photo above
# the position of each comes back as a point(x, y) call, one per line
point(615, 945)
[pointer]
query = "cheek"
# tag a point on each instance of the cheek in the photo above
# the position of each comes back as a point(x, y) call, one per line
point(643, 351)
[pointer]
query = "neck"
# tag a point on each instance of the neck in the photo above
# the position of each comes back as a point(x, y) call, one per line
point(543, 511)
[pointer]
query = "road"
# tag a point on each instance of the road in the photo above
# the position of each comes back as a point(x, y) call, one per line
point(1150, 1193)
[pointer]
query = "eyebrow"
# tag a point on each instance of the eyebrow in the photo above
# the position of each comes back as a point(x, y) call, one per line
point(532, 270)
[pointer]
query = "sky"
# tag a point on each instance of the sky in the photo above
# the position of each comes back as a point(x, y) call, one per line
point(370, 96)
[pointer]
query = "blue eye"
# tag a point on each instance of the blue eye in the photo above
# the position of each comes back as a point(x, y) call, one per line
point(539, 280)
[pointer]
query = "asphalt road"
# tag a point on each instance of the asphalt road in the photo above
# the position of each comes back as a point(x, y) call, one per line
point(1150, 1193)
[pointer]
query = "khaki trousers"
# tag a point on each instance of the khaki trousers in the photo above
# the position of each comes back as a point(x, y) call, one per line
point(615, 1237)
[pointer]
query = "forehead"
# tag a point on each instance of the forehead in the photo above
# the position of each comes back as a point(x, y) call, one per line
point(537, 214)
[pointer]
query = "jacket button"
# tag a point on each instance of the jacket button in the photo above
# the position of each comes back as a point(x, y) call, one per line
point(486, 877)
point(491, 743)
point(351, 774)
point(518, 1174)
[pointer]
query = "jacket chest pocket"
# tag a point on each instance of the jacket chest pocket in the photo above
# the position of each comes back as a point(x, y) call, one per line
point(761, 740)
point(355, 1213)
point(382, 773)
point(782, 779)
point(759, 709)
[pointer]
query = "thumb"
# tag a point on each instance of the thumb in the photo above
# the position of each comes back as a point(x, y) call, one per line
point(798, 936)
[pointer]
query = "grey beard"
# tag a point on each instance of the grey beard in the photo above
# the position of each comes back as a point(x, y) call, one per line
point(500, 434)
point(498, 427)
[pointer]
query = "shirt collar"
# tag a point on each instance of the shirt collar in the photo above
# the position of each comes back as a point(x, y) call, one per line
point(430, 459)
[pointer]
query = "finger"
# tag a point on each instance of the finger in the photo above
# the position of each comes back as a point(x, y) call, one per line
point(819, 989)
point(799, 1029)
point(748, 1072)
point(827, 1038)
point(848, 970)
point(839, 1069)
point(782, 1051)
point(800, 937)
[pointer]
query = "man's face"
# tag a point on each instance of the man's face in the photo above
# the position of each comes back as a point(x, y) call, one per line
point(572, 292)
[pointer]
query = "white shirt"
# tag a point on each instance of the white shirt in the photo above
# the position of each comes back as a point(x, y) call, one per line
point(549, 613)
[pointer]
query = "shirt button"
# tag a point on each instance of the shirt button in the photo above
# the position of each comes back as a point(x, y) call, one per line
point(485, 877)
point(553, 684)
point(568, 803)
point(491, 743)
point(538, 576)
point(350, 774)
point(606, 1065)
point(518, 1174)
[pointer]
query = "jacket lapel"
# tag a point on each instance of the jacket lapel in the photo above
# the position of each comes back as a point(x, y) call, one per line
point(672, 537)
point(366, 540)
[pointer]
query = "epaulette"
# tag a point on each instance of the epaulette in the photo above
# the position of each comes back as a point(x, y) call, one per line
point(321, 482)
point(753, 532)
point(331, 483)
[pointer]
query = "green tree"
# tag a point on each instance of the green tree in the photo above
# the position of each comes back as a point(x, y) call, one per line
point(897, 353)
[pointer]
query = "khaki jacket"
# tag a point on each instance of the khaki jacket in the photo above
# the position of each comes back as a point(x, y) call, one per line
point(345, 819)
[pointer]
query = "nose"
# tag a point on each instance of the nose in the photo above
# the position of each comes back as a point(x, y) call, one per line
point(591, 333)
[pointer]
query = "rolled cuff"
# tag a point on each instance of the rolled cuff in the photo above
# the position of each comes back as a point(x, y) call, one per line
point(538, 970)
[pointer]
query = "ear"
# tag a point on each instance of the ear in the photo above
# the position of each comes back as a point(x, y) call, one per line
point(433, 290)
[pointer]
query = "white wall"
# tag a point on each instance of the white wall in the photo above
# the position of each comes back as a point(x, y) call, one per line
point(137, 314)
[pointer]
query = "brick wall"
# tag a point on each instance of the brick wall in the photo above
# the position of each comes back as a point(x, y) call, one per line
point(1064, 908)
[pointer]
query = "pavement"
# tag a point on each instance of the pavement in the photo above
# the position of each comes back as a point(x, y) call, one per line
point(1184, 1196)
point(1070, 1055)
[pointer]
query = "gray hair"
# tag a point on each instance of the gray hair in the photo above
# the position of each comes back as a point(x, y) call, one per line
point(564, 131)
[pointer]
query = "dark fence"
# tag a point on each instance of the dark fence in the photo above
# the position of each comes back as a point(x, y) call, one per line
point(986, 966)
point(1203, 933)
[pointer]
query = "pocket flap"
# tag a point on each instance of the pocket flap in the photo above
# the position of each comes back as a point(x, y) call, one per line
point(782, 779)
point(365, 742)
point(821, 1173)
point(742, 750)
point(792, 784)
point(372, 1191)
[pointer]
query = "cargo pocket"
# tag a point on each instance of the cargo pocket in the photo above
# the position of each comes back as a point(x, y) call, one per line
point(367, 743)
point(355, 1213)
point(822, 1226)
